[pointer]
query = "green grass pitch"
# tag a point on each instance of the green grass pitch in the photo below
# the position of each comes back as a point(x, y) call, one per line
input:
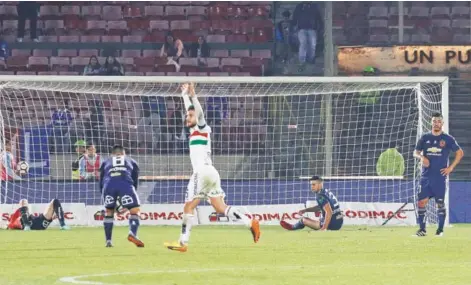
point(227, 256)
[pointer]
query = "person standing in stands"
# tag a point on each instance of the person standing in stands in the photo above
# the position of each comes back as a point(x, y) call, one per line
point(81, 150)
point(172, 49)
point(28, 10)
point(284, 33)
point(307, 19)
point(89, 164)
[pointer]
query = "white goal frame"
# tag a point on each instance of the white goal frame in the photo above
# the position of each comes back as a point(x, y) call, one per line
point(443, 81)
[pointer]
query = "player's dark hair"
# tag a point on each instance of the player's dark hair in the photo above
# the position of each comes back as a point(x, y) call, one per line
point(117, 149)
point(191, 108)
point(316, 178)
point(90, 144)
point(437, 115)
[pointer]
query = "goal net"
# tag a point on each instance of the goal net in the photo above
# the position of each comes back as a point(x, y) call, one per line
point(269, 135)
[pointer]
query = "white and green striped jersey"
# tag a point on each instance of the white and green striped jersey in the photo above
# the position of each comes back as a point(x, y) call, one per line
point(200, 146)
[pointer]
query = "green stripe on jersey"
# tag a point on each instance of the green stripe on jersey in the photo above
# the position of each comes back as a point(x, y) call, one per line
point(199, 142)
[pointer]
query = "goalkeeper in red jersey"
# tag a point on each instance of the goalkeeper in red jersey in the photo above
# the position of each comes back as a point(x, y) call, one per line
point(23, 220)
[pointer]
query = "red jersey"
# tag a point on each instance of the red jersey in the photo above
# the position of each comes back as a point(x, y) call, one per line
point(15, 221)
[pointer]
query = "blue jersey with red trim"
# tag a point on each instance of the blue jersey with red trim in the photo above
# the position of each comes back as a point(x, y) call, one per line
point(324, 197)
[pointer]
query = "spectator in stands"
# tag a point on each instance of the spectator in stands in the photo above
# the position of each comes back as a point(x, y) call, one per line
point(81, 150)
point(113, 67)
point(61, 119)
point(3, 49)
point(390, 163)
point(28, 10)
point(200, 50)
point(172, 49)
point(89, 164)
point(307, 19)
point(93, 67)
point(284, 37)
point(366, 103)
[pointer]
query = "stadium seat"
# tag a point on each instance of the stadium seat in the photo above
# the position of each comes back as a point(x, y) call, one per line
point(260, 12)
point(222, 27)
point(79, 63)
point(196, 12)
point(42, 52)
point(241, 27)
point(67, 53)
point(36, 63)
point(174, 13)
point(75, 26)
point(3, 72)
point(154, 12)
point(176, 74)
point(240, 39)
point(70, 12)
point(379, 38)
point(9, 26)
point(240, 53)
point(112, 13)
point(127, 62)
point(134, 73)
point(418, 11)
point(197, 74)
point(219, 74)
point(237, 12)
point(461, 38)
point(48, 73)
point(90, 39)
point(88, 52)
point(47, 39)
point(179, 25)
point(110, 39)
point(166, 68)
point(136, 25)
point(460, 12)
point(154, 37)
point(133, 39)
point(159, 25)
point(230, 64)
point(60, 63)
point(217, 12)
point(219, 53)
point(48, 12)
point(117, 28)
point(144, 64)
point(378, 12)
point(70, 73)
point(261, 53)
point(155, 73)
point(132, 12)
point(20, 52)
point(131, 53)
point(69, 39)
point(96, 27)
point(216, 39)
point(8, 12)
point(440, 12)
point(91, 12)
point(151, 53)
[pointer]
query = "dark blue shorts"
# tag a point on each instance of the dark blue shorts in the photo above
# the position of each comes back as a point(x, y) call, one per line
point(126, 194)
point(335, 223)
point(430, 188)
point(40, 223)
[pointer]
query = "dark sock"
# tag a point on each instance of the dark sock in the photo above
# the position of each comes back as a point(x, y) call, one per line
point(421, 218)
point(299, 225)
point(441, 218)
point(108, 224)
point(59, 211)
point(25, 221)
point(134, 224)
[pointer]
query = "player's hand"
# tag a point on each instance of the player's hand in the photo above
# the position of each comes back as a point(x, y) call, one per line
point(446, 171)
point(425, 161)
point(184, 87)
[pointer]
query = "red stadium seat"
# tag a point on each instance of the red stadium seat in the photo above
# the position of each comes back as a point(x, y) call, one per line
point(20, 52)
point(240, 53)
point(47, 12)
point(88, 52)
point(112, 13)
point(132, 39)
point(440, 12)
point(96, 27)
point(146, 63)
point(179, 25)
point(262, 53)
point(154, 12)
point(70, 12)
point(460, 12)
point(8, 12)
point(91, 12)
point(236, 39)
point(75, 26)
point(166, 68)
point(54, 27)
point(219, 74)
point(230, 64)
point(196, 12)
point(90, 39)
point(9, 26)
point(160, 25)
point(253, 70)
point(216, 39)
point(132, 12)
point(69, 73)
point(151, 53)
point(175, 13)
point(217, 12)
point(158, 37)
point(60, 63)
point(36, 63)
point(152, 73)
point(131, 53)
point(48, 73)
point(79, 63)
point(237, 12)
point(48, 39)
point(66, 53)
point(138, 24)
point(68, 39)
point(258, 12)
point(111, 39)
point(42, 52)
point(219, 53)
point(197, 74)
point(117, 28)
point(376, 12)
point(176, 73)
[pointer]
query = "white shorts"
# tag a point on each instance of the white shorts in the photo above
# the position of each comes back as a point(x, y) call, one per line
point(204, 183)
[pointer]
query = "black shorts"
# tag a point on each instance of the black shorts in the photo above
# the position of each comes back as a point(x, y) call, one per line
point(40, 223)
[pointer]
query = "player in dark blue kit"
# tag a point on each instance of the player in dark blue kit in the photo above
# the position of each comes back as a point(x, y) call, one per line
point(327, 204)
point(433, 149)
point(118, 181)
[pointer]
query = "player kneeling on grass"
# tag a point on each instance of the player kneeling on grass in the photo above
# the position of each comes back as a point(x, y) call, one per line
point(23, 220)
point(327, 204)
point(119, 180)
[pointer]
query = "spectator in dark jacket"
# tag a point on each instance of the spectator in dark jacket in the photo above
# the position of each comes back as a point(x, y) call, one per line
point(28, 10)
point(200, 50)
point(308, 21)
point(284, 36)
point(113, 67)
point(93, 67)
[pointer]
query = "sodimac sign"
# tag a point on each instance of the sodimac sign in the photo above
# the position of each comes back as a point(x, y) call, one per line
point(403, 58)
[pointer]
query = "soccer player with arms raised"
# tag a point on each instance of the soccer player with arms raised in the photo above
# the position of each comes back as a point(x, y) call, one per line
point(118, 181)
point(433, 150)
point(327, 204)
point(205, 182)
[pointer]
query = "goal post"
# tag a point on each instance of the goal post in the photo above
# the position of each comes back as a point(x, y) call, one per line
point(268, 134)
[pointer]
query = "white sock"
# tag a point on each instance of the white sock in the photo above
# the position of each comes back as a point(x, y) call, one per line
point(235, 213)
point(186, 228)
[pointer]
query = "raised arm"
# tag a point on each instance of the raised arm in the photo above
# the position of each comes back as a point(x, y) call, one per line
point(189, 98)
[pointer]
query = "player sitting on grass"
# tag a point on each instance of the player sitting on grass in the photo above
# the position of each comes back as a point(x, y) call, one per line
point(433, 149)
point(119, 180)
point(23, 220)
point(332, 218)
point(205, 182)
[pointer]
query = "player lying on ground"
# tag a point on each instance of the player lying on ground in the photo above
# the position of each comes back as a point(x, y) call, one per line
point(119, 180)
point(23, 220)
point(205, 182)
point(433, 149)
point(327, 204)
